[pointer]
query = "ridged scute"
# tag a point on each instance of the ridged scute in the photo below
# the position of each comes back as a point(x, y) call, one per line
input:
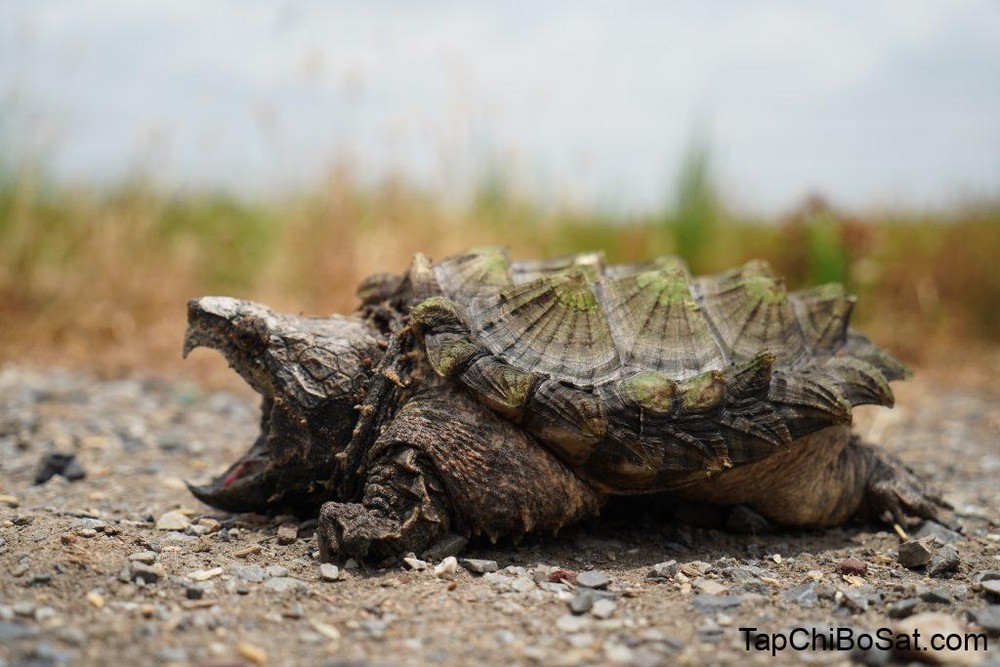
point(640, 376)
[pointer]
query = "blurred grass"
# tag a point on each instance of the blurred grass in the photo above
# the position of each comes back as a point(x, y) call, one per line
point(101, 278)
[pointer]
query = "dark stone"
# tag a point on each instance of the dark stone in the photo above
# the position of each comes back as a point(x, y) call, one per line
point(988, 618)
point(915, 553)
point(804, 594)
point(943, 561)
point(664, 570)
point(53, 464)
point(711, 604)
point(903, 608)
point(742, 519)
point(449, 545)
point(942, 534)
point(936, 596)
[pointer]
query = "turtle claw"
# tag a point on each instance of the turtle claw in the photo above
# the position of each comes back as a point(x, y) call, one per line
point(350, 530)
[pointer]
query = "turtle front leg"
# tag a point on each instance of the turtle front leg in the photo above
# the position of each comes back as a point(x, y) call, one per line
point(404, 508)
point(445, 463)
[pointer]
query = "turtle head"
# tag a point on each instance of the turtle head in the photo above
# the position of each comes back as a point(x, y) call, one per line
point(310, 373)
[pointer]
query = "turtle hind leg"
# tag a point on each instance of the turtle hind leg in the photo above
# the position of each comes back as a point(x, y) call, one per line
point(404, 508)
point(893, 489)
point(823, 480)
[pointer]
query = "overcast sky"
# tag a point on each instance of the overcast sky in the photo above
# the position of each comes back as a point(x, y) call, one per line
point(870, 103)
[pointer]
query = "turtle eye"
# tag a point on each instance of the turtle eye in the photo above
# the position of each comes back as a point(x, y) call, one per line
point(250, 334)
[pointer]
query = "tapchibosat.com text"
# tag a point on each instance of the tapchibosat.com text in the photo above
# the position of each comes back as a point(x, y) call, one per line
point(848, 639)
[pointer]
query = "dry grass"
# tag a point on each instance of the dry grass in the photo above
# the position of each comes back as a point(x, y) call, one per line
point(100, 280)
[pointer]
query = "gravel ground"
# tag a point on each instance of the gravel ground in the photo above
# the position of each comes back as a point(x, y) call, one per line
point(123, 566)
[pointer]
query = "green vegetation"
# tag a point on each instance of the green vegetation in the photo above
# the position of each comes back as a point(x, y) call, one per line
point(95, 275)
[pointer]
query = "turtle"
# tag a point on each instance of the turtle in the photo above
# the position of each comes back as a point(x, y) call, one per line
point(482, 396)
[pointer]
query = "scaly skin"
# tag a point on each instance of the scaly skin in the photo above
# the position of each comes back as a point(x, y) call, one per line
point(360, 420)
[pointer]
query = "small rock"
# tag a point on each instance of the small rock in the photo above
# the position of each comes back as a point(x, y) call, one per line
point(253, 574)
point(855, 600)
point(942, 534)
point(988, 618)
point(903, 608)
point(276, 571)
point(914, 554)
point(285, 584)
point(712, 604)
point(943, 561)
point(13, 631)
point(96, 599)
point(194, 592)
point(254, 654)
point(618, 654)
point(593, 579)
point(147, 557)
point(710, 587)
point(936, 596)
point(149, 574)
point(86, 532)
point(64, 465)
point(991, 587)
point(852, 566)
point(662, 571)
point(582, 601)
point(415, 563)
point(742, 519)
point(449, 545)
point(329, 572)
point(569, 623)
point(288, 533)
point(479, 566)
point(804, 594)
point(204, 575)
point(447, 567)
point(603, 608)
point(173, 520)
point(987, 575)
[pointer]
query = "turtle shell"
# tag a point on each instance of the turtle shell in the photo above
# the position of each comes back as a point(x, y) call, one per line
point(642, 377)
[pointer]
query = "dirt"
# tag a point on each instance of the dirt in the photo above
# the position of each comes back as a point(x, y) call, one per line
point(75, 556)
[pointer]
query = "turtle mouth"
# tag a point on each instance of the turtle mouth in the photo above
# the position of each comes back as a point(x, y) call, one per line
point(268, 477)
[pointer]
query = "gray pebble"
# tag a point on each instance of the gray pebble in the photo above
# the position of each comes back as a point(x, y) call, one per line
point(943, 561)
point(450, 545)
point(276, 571)
point(581, 602)
point(603, 608)
point(903, 608)
point(991, 586)
point(253, 574)
point(987, 575)
point(150, 574)
point(936, 596)
point(12, 631)
point(942, 534)
point(804, 594)
point(147, 557)
point(329, 572)
point(988, 618)
point(593, 579)
point(285, 584)
point(711, 604)
point(479, 566)
point(664, 570)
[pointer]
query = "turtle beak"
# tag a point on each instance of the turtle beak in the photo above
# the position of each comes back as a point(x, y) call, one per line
point(244, 486)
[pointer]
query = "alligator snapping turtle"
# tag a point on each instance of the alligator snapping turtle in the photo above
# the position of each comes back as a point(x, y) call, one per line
point(483, 396)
